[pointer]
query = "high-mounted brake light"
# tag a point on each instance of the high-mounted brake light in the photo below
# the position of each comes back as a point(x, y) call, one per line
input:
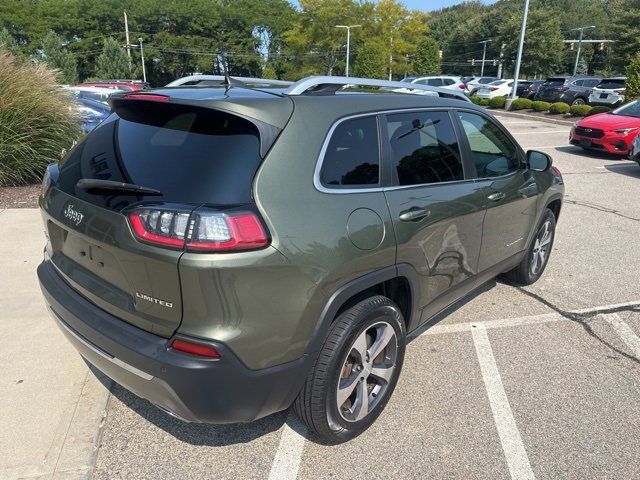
point(150, 97)
point(202, 231)
point(194, 348)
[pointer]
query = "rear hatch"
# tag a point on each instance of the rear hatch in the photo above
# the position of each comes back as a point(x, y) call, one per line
point(551, 89)
point(610, 85)
point(185, 157)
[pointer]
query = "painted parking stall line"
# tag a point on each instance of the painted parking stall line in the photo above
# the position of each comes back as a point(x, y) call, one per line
point(624, 331)
point(512, 446)
point(286, 463)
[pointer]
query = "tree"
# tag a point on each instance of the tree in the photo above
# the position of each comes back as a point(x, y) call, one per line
point(427, 58)
point(113, 62)
point(56, 56)
point(371, 61)
point(633, 78)
point(9, 43)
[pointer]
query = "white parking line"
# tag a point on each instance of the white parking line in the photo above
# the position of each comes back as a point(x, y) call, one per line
point(289, 454)
point(627, 335)
point(514, 452)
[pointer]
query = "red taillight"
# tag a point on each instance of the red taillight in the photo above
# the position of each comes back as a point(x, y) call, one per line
point(193, 348)
point(216, 232)
point(493, 89)
point(462, 86)
point(150, 97)
point(563, 89)
point(201, 231)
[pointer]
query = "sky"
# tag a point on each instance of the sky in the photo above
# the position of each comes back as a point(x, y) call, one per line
point(429, 5)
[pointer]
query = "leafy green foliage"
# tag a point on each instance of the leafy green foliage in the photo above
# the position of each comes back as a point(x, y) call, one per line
point(633, 78)
point(599, 109)
point(58, 57)
point(371, 61)
point(559, 108)
point(476, 100)
point(427, 58)
point(580, 110)
point(37, 120)
point(9, 43)
point(540, 106)
point(497, 102)
point(113, 62)
point(521, 104)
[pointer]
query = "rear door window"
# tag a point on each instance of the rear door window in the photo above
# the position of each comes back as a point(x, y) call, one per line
point(192, 155)
point(424, 148)
point(352, 158)
point(493, 153)
point(435, 82)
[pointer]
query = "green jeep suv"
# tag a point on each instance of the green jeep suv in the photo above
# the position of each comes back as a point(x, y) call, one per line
point(227, 251)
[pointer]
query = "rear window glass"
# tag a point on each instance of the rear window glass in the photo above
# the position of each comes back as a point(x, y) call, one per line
point(611, 84)
point(352, 157)
point(555, 82)
point(191, 155)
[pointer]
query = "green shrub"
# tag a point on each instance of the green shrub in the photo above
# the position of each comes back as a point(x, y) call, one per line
point(580, 110)
point(37, 120)
point(540, 106)
point(521, 104)
point(484, 102)
point(599, 109)
point(559, 107)
point(476, 100)
point(633, 78)
point(497, 102)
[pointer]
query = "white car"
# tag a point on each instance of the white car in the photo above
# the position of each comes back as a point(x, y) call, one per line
point(498, 88)
point(96, 94)
point(476, 83)
point(442, 81)
point(609, 92)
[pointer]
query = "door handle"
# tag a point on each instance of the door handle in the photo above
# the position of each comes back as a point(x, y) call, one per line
point(414, 214)
point(496, 197)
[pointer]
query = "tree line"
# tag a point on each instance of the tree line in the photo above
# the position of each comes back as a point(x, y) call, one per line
point(85, 39)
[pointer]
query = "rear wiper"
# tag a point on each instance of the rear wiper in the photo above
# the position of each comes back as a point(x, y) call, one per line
point(96, 186)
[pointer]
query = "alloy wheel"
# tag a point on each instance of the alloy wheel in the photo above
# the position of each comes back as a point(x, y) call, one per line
point(540, 253)
point(367, 371)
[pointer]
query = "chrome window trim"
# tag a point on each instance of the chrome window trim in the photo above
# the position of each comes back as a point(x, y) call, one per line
point(325, 145)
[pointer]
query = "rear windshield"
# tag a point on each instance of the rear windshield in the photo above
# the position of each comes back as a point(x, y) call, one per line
point(554, 82)
point(611, 84)
point(192, 155)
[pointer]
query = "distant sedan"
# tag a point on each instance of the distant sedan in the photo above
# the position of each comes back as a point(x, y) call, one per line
point(611, 132)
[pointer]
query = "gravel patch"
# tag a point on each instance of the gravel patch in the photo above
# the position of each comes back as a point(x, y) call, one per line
point(19, 197)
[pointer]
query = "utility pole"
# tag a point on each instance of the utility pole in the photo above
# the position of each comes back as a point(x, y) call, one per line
point(348, 27)
point(126, 34)
point(390, 57)
point(144, 71)
point(516, 74)
point(581, 30)
point(484, 54)
point(500, 61)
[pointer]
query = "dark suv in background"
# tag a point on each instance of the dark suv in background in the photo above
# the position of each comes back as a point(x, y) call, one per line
point(571, 90)
point(228, 251)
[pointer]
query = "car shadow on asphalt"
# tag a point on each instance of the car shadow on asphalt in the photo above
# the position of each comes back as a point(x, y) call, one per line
point(628, 169)
point(595, 154)
point(193, 433)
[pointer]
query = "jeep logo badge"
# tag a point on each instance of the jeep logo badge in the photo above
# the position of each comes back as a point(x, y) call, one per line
point(73, 215)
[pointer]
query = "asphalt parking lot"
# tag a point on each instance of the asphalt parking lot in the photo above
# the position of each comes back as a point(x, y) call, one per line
point(541, 382)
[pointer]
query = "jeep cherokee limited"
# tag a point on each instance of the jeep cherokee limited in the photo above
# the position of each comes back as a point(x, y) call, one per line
point(226, 252)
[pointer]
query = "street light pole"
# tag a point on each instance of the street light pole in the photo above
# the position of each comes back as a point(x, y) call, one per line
point(484, 54)
point(520, 45)
point(581, 30)
point(348, 27)
point(144, 71)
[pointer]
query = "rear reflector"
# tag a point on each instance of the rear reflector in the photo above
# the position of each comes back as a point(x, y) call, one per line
point(149, 97)
point(195, 348)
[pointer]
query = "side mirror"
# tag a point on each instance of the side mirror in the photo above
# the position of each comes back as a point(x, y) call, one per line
point(538, 161)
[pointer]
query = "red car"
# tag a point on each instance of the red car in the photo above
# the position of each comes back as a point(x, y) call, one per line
point(612, 132)
point(130, 85)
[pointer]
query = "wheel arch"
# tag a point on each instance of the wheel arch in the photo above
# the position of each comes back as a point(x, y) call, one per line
point(397, 282)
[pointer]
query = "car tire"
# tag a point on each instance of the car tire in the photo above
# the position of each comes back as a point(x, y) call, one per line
point(537, 255)
point(579, 101)
point(344, 365)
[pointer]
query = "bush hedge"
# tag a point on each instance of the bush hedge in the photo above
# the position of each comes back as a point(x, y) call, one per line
point(521, 104)
point(599, 109)
point(37, 120)
point(475, 100)
point(559, 108)
point(580, 110)
point(497, 102)
point(540, 106)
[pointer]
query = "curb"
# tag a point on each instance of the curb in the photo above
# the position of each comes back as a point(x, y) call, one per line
point(533, 117)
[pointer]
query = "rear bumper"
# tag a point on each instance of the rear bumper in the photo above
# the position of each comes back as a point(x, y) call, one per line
point(191, 388)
